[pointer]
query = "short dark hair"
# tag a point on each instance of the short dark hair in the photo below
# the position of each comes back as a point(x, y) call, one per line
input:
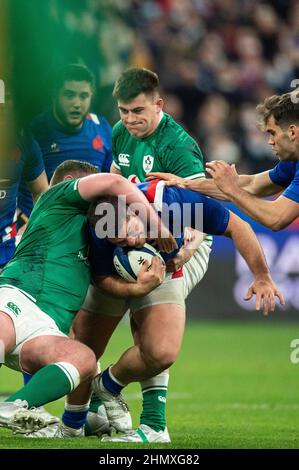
point(73, 72)
point(284, 108)
point(120, 211)
point(134, 81)
point(76, 168)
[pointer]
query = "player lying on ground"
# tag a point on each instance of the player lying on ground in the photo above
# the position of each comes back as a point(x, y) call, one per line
point(43, 287)
point(159, 344)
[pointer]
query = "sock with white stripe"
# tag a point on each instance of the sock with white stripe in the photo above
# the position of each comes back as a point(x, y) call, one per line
point(48, 384)
point(74, 416)
point(154, 393)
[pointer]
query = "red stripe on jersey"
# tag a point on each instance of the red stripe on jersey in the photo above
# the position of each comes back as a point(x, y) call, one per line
point(14, 230)
point(151, 190)
point(177, 274)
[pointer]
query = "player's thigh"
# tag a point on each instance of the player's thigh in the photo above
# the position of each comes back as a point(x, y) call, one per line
point(94, 330)
point(96, 321)
point(159, 317)
point(28, 321)
point(195, 269)
point(7, 333)
point(160, 331)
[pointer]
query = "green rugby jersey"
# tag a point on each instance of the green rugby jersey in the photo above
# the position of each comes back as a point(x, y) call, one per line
point(168, 149)
point(50, 262)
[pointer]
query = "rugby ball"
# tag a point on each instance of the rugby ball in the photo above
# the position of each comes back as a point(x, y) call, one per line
point(128, 261)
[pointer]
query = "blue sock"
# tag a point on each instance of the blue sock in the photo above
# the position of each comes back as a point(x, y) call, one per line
point(111, 383)
point(26, 377)
point(74, 416)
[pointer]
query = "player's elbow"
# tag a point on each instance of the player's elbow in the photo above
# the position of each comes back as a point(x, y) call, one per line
point(278, 224)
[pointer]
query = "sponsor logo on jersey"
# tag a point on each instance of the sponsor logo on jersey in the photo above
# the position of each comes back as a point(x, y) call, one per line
point(13, 308)
point(148, 163)
point(123, 159)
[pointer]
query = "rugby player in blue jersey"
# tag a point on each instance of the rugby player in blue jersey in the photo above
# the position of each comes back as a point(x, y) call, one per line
point(22, 159)
point(156, 350)
point(69, 130)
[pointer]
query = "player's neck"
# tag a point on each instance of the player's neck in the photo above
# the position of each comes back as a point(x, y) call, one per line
point(160, 117)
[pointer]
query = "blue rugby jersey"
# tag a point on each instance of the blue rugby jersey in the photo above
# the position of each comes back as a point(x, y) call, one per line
point(215, 218)
point(25, 161)
point(286, 174)
point(91, 143)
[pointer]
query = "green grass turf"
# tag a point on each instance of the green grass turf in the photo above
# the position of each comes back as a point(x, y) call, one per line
point(233, 386)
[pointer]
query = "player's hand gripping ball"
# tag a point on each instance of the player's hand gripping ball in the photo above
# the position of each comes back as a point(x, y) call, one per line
point(128, 261)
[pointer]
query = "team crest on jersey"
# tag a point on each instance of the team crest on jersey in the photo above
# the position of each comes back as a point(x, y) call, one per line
point(148, 163)
point(54, 147)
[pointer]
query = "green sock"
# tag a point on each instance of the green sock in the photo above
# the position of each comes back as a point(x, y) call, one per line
point(95, 402)
point(48, 384)
point(154, 392)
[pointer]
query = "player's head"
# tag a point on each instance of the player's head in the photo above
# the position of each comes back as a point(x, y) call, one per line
point(114, 220)
point(139, 101)
point(72, 95)
point(280, 118)
point(72, 169)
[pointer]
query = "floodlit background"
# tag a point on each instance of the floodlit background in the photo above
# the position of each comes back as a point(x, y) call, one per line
point(234, 384)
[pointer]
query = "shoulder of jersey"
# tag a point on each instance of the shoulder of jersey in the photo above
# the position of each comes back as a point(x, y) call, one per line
point(93, 118)
point(118, 129)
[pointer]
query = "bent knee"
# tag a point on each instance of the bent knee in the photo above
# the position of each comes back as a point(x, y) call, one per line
point(159, 359)
point(85, 361)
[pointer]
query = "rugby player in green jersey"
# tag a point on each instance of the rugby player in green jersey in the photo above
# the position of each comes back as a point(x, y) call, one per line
point(43, 287)
point(145, 140)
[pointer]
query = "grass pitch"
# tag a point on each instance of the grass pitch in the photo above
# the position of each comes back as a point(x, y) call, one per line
point(233, 386)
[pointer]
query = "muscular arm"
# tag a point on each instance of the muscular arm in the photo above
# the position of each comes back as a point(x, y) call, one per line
point(259, 184)
point(38, 186)
point(250, 249)
point(147, 280)
point(247, 244)
point(116, 286)
point(273, 214)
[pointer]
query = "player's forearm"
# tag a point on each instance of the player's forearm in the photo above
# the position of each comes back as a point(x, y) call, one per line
point(116, 286)
point(260, 210)
point(94, 186)
point(205, 186)
point(259, 185)
point(248, 245)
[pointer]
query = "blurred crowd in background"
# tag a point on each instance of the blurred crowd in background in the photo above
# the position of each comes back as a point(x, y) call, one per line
point(216, 60)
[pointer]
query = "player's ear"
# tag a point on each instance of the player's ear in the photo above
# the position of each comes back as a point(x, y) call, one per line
point(67, 177)
point(293, 132)
point(160, 103)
